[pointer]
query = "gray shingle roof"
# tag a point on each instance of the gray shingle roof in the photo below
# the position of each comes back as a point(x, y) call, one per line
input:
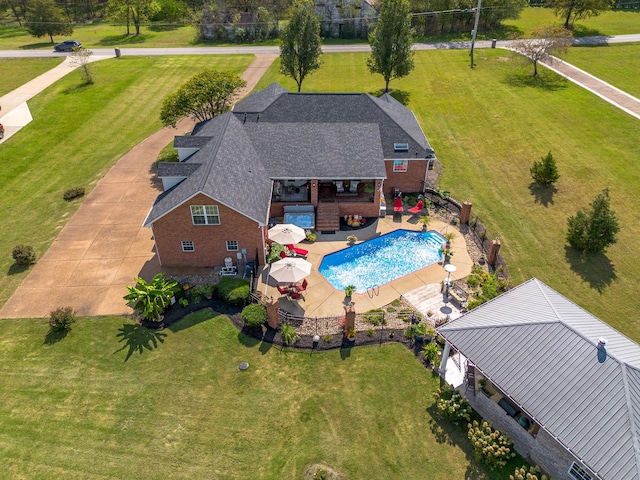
point(318, 150)
point(190, 141)
point(397, 123)
point(231, 174)
point(277, 134)
point(541, 349)
point(176, 169)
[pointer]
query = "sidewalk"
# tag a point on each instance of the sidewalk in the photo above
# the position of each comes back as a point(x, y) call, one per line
point(104, 247)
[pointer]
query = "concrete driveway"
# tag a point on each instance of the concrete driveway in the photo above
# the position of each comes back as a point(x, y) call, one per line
point(104, 247)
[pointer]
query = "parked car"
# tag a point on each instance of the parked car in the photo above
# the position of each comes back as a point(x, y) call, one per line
point(67, 46)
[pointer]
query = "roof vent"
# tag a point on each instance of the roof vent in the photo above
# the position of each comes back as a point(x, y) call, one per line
point(602, 342)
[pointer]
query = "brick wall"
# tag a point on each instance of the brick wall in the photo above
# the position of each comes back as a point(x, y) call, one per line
point(209, 240)
point(409, 181)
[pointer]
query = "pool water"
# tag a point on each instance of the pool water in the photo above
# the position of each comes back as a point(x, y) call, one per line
point(381, 260)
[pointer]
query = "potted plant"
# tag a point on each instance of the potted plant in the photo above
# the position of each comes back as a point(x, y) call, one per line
point(348, 291)
point(431, 353)
point(424, 220)
point(449, 237)
point(351, 240)
point(311, 236)
point(446, 254)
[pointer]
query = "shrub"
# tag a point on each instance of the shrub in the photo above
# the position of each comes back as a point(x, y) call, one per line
point(200, 291)
point(24, 255)
point(528, 472)
point(545, 172)
point(311, 237)
point(375, 317)
point(593, 230)
point(452, 406)
point(234, 291)
point(431, 351)
point(288, 334)
point(274, 252)
point(151, 298)
point(254, 315)
point(490, 446)
point(73, 193)
point(371, 332)
point(473, 280)
point(327, 338)
point(61, 318)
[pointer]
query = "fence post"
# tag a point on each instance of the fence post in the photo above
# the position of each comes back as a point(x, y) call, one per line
point(465, 212)
point(493, 252)
point(273, 319)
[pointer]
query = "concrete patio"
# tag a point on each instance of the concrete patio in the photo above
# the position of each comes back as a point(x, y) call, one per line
point(323, 300)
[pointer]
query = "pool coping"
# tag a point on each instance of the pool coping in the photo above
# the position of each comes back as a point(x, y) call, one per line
point(321, 299)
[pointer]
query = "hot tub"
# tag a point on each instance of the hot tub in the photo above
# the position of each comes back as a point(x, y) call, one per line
point(302, 216)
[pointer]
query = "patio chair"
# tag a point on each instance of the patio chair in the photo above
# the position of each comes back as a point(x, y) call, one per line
point(283, 290)
point(283, 254)
point(339, 186)
point(353, 186)
point(417, 209)
point(295, 295)
point(397, 205)
point(304, 285)
point(297, 252)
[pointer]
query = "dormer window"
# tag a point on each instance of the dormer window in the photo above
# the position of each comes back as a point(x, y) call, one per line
point(401, 147)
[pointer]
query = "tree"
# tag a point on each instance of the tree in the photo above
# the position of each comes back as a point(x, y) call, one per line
point(545, 41)
point(390, 41)
point(300, 44)
point(45, 18)
point(545, 172)
point(81, 58)
point(206, 95)
point(135, 11)
point(572, 10)
point(591, 231)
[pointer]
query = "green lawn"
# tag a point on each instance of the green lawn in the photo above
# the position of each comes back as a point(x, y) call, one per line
point(487, 126)
point(15, 72)
point(114, 400)
point(617, 64)
point(609, 23)
point(77, 134)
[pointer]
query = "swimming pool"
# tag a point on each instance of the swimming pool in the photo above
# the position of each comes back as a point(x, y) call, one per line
point(381, 260)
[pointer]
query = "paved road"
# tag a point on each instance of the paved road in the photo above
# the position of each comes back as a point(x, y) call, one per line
point(360, 47)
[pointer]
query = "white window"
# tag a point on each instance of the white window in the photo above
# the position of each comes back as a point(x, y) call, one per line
point(188, 247)
point(232, 245)
point(205, 215)
point(400, 165)
point(578, 473)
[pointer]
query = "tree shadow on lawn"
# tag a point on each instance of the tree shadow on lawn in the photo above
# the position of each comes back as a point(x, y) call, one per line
point(34, 46)
point(596, 268)
point(15, 269)
point(584, 31)
point(402, 96)
point(54, 336)
point(138, 339)
point(548, 81)
point(123, 40)
point(543, 194)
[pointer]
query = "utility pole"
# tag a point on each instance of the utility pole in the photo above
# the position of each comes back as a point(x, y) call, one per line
point(475, 29)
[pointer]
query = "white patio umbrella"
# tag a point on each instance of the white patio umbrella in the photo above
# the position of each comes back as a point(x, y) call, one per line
point(290, 269)
point(286, 233)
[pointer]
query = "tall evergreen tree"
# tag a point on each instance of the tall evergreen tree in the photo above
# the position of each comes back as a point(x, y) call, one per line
point(595, 229)
point(45, 18)
point(300, 43)
point(391, 54)
point(545, 171)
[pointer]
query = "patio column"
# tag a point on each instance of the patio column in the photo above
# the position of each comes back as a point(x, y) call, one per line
point(313, 192)
point(445, 356)
point(349, 317)
point(493, 252)
point(465, 212)
point(273, 319)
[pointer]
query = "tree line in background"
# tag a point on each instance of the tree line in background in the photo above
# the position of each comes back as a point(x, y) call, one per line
point(256, 20)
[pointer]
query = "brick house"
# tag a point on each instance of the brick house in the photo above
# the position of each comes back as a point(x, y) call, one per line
point(275, 154)
point(564, 385)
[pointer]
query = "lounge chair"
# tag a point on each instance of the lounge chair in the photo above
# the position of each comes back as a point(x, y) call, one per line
point(397, 205)
point(297, 252)
point(417, 209)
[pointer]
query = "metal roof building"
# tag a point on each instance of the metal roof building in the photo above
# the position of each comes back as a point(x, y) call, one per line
point(542, 352)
